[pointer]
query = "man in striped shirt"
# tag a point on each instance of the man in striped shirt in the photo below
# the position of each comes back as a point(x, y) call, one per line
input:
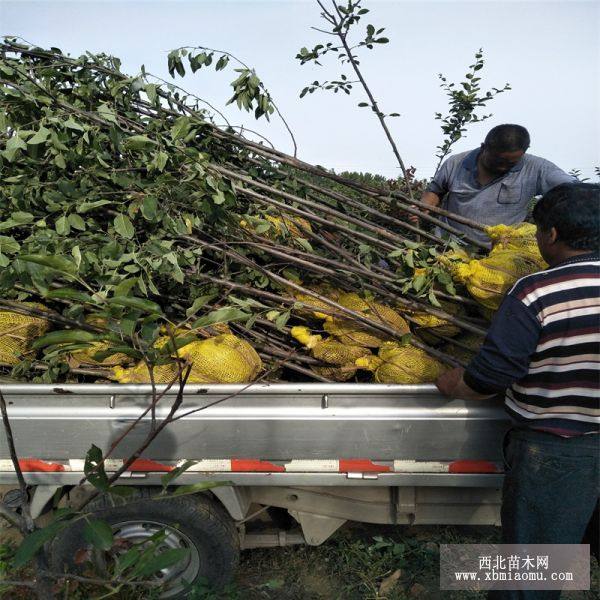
point(543, 350)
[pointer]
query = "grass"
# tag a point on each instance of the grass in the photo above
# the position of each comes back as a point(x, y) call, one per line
point(352, 565)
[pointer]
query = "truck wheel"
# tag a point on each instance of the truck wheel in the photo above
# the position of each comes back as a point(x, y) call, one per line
point(194, 522)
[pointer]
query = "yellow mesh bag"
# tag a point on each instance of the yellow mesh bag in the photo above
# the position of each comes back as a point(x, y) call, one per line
point(17, 332)
point(329, 350)
point(351, 332)
point(519, 238)
point(374, 310)
point(85, 357)
point(472, 340)
point(295, 225)
point(339, 374)
point(455, 255)
point(324, 291)
point(221, 359)
point(427, 324)
point(140, 374)
point(489, 278)
point(402, 364)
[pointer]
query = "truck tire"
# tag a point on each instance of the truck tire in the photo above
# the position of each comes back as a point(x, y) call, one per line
point(196, 522)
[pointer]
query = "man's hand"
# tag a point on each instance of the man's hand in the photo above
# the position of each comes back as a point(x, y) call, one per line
point(452, 385)
point(414, 219)
point(449, 381)
point(428, 198)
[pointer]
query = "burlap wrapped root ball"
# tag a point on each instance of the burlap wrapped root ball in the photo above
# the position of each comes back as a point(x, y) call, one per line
point(281, 226)
point(472, 340)
point(325, 291)
point(426, 325)
point(221, 359)
point(352, 333)
point(519, 238)
point(86, 356)
point(488, 279)
point(340, 356)
point(17, 333)
point(402, 364)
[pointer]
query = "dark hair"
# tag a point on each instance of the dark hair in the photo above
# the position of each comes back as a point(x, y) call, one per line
point(574, 210)
point(507, 138)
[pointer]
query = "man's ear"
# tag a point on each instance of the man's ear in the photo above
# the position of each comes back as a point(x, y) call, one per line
point(552, 235)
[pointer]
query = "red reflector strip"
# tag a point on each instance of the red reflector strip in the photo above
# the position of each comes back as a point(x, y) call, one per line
point(145, 464)
point(260, 466)
point(473, 466)
point(31, 465)
point(361, 465)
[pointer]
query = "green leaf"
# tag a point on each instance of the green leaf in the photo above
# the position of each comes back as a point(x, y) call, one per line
point(172, 475)
point(139, 142)
point(194, 488)
point(108, 114)
point(99, 534)
point(160, 161)
point(199, 303)
point(432, 299)
point(180, 128)
point(34, 542)
point(282, 319)
point(8, 245)
point(58, 263)
point(14, 144)
point(163, 561)
point(124, 287)
point(69, 294)
point(22, 218)
point(40, 137)
point(221, 63)
point(148, 208)
point(70, 123)
point(62, 226)
point(123, 226)
point(419, 282)
point(218, 197)
point(222, 315)
point(68, 336)
point(93, 469)
point(59, 161)
point(76, 222)
point(305, 244)
point(87, 206)
point(136, 303)
point(124, 561)
point(150, 89)
point(262, 227)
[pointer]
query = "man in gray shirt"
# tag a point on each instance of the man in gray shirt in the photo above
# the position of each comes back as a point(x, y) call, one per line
point(495, 183)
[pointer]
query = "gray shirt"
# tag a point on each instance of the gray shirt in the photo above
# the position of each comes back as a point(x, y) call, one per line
point(503, 200)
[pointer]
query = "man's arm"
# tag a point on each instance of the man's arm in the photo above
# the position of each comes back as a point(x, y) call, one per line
point(452, 385)
point(430, 198)
point(503, 359)
point(550, 176)
point(436, 189)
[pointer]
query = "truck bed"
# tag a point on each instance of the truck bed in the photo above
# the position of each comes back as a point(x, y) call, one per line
point(291, 433)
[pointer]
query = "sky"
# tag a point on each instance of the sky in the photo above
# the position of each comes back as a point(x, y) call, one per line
point(548, 51)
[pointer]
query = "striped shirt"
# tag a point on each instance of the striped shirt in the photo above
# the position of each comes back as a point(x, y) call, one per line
point(543, 348)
